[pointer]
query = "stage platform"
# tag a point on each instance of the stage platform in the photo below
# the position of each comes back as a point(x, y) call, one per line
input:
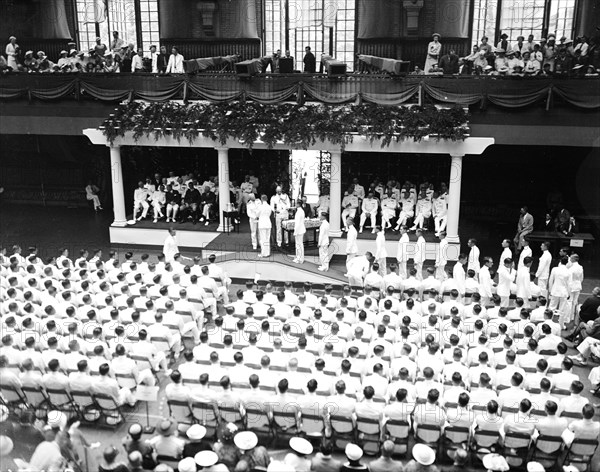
point(196, 237)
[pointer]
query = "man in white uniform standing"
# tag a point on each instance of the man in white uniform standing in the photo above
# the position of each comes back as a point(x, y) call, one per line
point(381, 251)
point(473, 263)
point(299, 231)
point(170, 247)
point(442, 258)
point(525, 251)
point(559, 288)
point(324, 243)
point(253, 209)
point(543, 270)
point(402, 253)
point(351, 237)
point(576, 283)
point(506, 252)
point(524, 281)
point(280, 204)
point(264, 227)
point(419, 256)
point(506, 276)
point(485, 281)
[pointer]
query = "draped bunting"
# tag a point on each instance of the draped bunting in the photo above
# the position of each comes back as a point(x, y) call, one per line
point(452, 18)
point(272, 88)
point(379, 19)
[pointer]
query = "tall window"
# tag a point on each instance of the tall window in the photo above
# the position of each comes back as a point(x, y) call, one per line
point(135, 20)
point(522, 18)
point(327, 26)
point(149, 23)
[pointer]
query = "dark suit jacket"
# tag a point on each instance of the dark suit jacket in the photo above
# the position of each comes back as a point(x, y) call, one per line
point(161, 62)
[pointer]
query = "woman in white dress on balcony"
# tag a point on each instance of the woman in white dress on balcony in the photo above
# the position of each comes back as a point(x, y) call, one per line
point(11, 53)
point(433, 52)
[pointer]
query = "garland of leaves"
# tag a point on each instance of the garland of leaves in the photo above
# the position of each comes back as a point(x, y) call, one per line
point(298, 126)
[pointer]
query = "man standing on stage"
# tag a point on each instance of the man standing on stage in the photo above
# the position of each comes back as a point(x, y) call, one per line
point(253, 209)
point(280, 204)
point(473, 263)
point(442, 258)
point(402, 253)
point(170, 247)
point(419, 256)
point(543, 271)
point(299, 231)
point(351, 237)
point(524, 227)
point(324, 243)
point(264, 227)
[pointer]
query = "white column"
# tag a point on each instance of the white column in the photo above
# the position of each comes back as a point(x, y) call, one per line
point(117, 187)
point(223, 162)
point(335, 194)
point(454, 199)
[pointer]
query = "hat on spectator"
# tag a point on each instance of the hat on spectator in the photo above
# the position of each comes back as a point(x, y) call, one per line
point(163, 468)
point(72, 51)
point(277, 466)
point(500, 50)
point(495, 463)
point(63, 52)
point(3, 413)
point(42, 53)
point(510, 53)
point(196, 432)
point(503, 70)
point(535, 467)
point(423, 454)
point(543, 40)
point(12, 37)
point(487, 68)
point(29, 52)
point(301, 446)
point(6, 445)
point(166, 427)
point(135, 429)
point(578, 66)
point(57, 419)
point(569, 41)
point(504, 35)
point(353, 452)
point(135, 458)
point(551, 35)
point(521, 37)
point(206, 458)
point(187, 465)
point(245, 440)
point(436, 34)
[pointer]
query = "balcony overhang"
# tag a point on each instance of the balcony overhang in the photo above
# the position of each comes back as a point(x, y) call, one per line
point(469, 146)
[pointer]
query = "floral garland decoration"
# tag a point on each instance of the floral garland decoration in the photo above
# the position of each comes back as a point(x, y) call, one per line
point(295, 125)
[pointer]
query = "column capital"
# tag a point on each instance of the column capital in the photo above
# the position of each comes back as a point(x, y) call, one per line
point(113, 146)
point(221, 148)
point(457, 155)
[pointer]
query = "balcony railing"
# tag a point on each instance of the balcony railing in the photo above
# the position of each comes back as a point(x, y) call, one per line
point(509, 92)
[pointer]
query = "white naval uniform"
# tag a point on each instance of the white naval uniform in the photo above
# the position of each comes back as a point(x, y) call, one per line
point(381, 253)
point(349, 205)
point(369, 208)
point(253, 210)
point(402, 255)
point(280, 205)
point(299, 231)
point(264, 229)
point(324, 244)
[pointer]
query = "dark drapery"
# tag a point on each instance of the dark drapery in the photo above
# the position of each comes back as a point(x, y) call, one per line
point(271, 88)
point(379, 19)
point(231, 19)
point(45, 19)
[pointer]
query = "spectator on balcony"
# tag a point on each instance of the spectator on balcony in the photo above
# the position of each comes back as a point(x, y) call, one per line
point(100, 48)
point(64, 61)
point(487, 49)
point(501, 61)
point(581, 51)
point(449, 63)
point(529, 44)
point(153, 56)
point(520, 46)
point(474, 62)
point(503, 43)
point(137, 62)
point(310, 61)
point(127, 57)
point(91, 194)
point(30, 62)
point(537, 53)
point(531, 66)
point(117, 43)
point(515, 63)
point(564, 62)
point(12, 50)
point(175, 65)
point(549, 52)
point(110, 65)
point(74, 63)
point(433, 52)
point(44, 64)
